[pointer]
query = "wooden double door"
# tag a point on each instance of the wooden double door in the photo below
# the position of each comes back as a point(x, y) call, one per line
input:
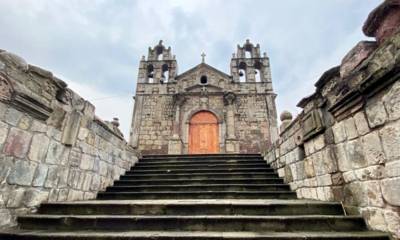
point(203, 133)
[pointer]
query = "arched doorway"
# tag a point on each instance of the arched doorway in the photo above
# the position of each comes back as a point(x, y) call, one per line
point(203, 133)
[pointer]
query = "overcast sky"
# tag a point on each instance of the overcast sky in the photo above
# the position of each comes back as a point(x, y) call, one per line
point(96, 45)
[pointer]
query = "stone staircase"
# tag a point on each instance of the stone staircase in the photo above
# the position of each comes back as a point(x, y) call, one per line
point(194, 197)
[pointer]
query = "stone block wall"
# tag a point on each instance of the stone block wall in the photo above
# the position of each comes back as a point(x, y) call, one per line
point(52, 146)
point(345, 144)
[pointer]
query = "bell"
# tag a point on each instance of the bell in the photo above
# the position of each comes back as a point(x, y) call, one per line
point(241, 74)
point(150, 75)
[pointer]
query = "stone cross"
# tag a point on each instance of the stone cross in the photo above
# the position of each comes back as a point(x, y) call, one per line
point(203, 56)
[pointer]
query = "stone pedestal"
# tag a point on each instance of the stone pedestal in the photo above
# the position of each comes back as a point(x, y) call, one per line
point(175, 145)
point(232, 146)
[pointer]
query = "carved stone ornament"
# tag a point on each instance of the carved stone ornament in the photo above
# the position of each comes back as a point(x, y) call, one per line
point(312, 124)
point(6, 89)
point(179, 99)
point(229, 98)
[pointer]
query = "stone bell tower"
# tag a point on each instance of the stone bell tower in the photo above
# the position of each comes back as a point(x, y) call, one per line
point(247, 65)
point(159, 67)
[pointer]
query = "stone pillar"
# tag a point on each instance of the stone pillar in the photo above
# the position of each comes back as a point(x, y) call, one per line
point(175, 142)
point(137, 113)
point(232, 145)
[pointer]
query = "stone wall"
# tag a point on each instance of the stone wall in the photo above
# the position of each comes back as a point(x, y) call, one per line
point(345, 144)
point(52, 146)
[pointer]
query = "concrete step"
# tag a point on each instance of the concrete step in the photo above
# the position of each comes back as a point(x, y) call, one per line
point(173, 162)
point(202, 187)
point(193, 207)
point(204, 176)
point(200, 170)
point(197, 195)
point(200, 166)
point(193, 223)
point(198, 181)
point(196, 235)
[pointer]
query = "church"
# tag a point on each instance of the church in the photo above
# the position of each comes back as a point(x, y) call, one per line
point(204, 110)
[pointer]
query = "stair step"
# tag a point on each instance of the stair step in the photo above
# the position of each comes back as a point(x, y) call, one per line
point(201, 166)
point(172, 162)
point(193, 207)
point(200, 158)
point(198, 195)
point(203, 187)
point(199, 170)
point(198, 181)
point(197, 235)
point(193, 223)
point(191, 156)
point(205, 176)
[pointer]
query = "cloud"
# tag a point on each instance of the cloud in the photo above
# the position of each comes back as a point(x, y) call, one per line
point(98, 44)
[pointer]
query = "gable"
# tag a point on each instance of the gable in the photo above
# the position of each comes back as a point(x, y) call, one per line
point(203, 67)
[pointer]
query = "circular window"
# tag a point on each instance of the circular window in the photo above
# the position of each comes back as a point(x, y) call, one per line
point(203, 80)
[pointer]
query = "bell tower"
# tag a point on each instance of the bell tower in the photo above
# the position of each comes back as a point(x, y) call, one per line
point(159, 67)
point(247, 65)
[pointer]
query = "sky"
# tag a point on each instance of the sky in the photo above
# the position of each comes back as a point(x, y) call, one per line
point(95, 45)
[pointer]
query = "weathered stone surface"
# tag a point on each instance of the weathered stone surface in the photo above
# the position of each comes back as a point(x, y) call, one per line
point(361, 123)
point(350, 128)
point(390, 136)
point(57, 153)
point(375, 217)
point(22, 173)
point(339, 132)
point(3, 132)
point(384, 21)
point(372, 149)
point(392, 169)
point(38, 148)
point(40, 175)
point(391, 190)
point(376, 114)
point(33, 197)
point(17, 143)
point(392, 102)
point(356, 55)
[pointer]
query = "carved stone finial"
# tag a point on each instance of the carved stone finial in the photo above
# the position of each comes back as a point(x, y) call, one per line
point(286, 115)
point(115, 122)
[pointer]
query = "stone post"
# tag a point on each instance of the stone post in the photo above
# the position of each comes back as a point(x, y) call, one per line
point(175, 142)
point(231, 141)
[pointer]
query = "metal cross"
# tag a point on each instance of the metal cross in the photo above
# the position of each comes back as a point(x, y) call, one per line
point(203, 56)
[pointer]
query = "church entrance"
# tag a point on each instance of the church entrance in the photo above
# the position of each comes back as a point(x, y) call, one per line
point(203, 133)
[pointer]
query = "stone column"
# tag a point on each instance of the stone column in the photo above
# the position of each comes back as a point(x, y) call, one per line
point(175, 142)
point(135, 126)
point(231, 141)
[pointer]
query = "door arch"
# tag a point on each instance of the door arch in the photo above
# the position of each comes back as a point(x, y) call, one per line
point(203, 133)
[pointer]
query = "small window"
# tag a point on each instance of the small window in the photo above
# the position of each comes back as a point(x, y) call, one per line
point(203, 80)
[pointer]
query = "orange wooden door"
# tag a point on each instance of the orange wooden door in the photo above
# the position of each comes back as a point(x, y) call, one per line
point(203, 133)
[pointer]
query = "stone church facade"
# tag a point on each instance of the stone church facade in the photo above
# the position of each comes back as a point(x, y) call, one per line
point(204, 110)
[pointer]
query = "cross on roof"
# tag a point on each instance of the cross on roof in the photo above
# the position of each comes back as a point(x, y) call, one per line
point(203, 56)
